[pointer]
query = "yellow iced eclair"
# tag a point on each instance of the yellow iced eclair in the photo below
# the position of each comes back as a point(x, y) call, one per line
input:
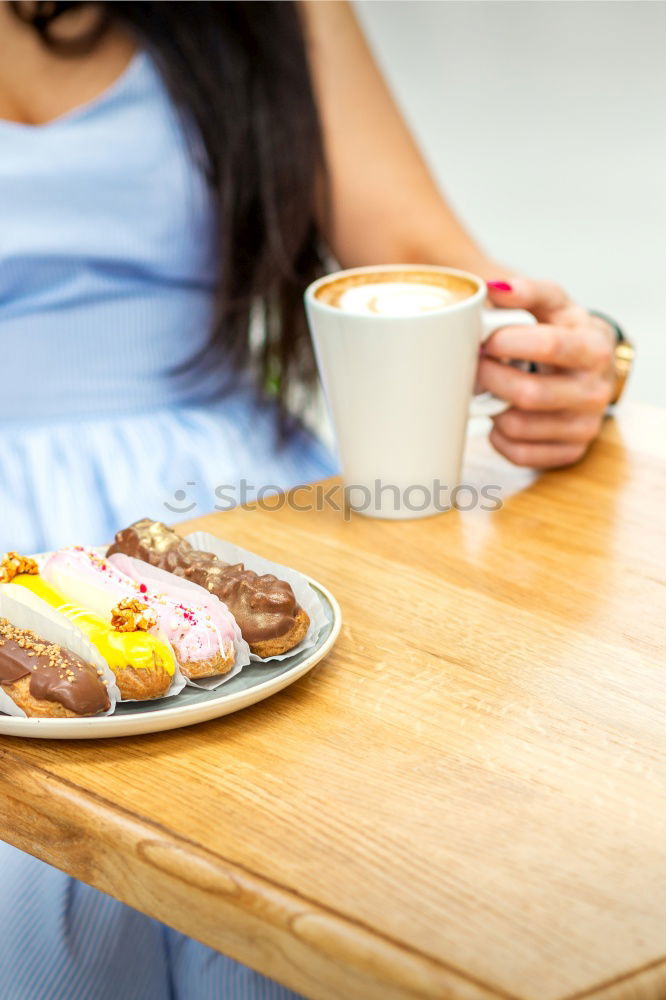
point(143, 664)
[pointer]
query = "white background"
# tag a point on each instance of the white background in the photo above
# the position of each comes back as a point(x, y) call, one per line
point(545, 124)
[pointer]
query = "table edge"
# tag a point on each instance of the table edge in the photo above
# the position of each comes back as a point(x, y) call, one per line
point(38, 798)
point(354, 954)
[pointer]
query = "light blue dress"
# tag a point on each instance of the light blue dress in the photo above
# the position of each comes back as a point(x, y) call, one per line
point(107, 269)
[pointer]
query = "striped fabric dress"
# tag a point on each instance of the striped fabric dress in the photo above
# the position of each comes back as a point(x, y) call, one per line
point(107, 268)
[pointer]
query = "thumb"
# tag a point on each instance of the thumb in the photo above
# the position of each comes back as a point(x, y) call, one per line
point(542, 298)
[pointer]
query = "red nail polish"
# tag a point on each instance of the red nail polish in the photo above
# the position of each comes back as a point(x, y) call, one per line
point(500, 286)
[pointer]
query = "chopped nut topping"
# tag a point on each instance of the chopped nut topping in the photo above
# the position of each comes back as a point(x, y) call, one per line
point(131, 615)
point(24, 638)
point(12, 564)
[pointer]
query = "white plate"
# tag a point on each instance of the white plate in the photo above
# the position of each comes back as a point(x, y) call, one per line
point(254, 683)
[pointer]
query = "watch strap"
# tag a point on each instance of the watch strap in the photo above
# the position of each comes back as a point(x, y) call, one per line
point(624, 354)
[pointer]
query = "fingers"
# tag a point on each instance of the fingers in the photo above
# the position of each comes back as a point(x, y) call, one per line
point(557, 411)
point(537, 455)
point(561, 427)
point(583, 347)
point(581, 391)
point(542, 298)
point(544, 440)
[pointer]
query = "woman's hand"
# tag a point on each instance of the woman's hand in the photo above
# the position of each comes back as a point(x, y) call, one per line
point(556, 413)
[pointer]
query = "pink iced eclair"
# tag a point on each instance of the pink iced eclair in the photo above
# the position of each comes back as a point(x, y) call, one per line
point(203, 642)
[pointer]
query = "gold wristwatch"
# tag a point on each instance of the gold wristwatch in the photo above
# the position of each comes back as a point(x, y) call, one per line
point(624, 355)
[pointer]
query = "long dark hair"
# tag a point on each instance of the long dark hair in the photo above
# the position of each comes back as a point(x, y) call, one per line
point(239, 73)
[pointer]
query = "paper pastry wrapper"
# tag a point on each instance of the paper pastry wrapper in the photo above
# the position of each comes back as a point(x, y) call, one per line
point(305, 595)
point(193, 594)
point(31, 612)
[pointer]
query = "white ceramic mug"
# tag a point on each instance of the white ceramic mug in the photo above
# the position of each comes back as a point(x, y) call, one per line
point(399, 391)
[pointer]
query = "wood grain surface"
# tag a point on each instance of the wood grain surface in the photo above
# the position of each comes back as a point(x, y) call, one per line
point(466, 799)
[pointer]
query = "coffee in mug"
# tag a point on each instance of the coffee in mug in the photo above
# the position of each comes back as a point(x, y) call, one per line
point(395, 293)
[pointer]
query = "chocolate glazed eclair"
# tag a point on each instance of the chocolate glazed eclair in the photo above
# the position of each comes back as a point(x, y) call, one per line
point(46, 680)
point(265, 608)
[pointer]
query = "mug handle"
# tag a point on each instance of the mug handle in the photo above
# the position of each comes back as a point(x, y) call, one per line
point(485, 404)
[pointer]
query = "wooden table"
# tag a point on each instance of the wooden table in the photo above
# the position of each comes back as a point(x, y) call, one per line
point(467, 799)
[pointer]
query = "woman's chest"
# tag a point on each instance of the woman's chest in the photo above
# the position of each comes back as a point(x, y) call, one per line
point(112, 183)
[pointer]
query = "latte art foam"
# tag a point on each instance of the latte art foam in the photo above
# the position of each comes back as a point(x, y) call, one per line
point(411, 292)
point(395, 299)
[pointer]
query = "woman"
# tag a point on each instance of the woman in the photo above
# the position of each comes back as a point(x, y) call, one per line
point(164, 200)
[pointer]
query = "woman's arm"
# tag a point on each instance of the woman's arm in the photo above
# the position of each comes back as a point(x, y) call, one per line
point(386, 208)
